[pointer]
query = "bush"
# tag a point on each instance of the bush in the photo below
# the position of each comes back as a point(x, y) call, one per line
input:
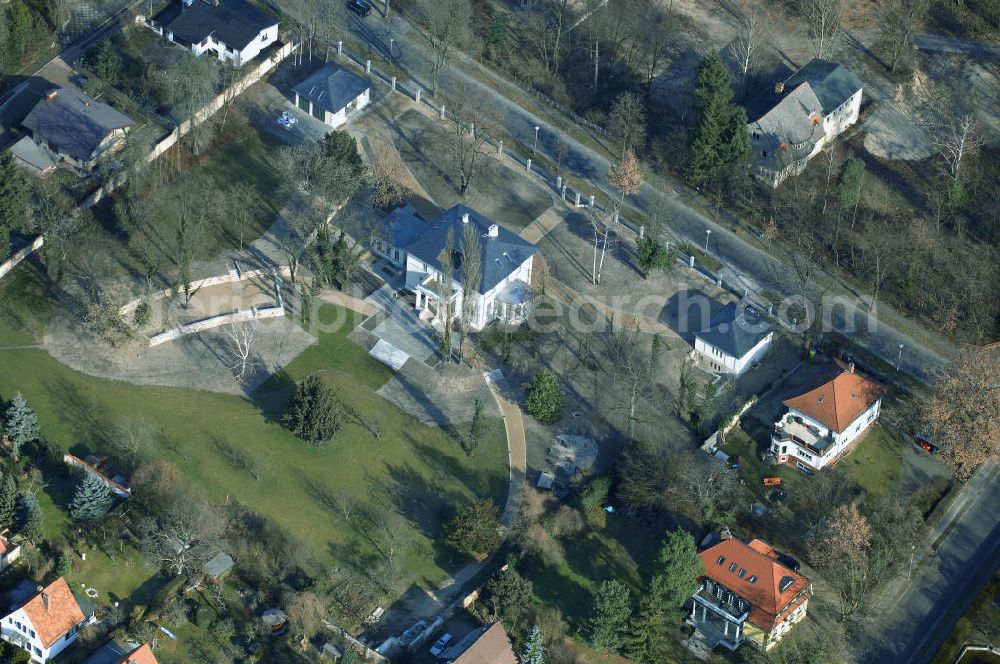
point(204, 616)
point(653, 255)
point(544, 397)
point(142, 314)
point(314, 414)
point(20, 657)
point(474, 528)
point(596, 493)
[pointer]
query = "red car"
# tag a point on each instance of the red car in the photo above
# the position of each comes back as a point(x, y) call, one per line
point(927, 445)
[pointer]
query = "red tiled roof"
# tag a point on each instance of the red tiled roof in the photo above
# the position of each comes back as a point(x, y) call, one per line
point(838, 402)
point(141, 655)
point(53, 611)
point(758, 560)
point(493, 647)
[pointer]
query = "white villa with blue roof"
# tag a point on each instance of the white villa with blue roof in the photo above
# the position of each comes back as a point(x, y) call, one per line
point(415, 245)
point(735, 338)
point(793, 122)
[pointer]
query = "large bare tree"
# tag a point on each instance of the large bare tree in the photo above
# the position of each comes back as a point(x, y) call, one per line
point(898, 25)
point(241, 343)
point(545, 26)
point(472, 276)
point(745, 50)
point(824, 20)
point(472, 125)
point(385, 175)
point(446, 25)
point(182, 537)
point(956, 140)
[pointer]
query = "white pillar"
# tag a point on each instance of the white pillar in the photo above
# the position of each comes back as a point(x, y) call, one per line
point(442, 111)
point(578, 199)
point(558, 182)
point(725, 627)
point(340, 48)
point(417, 99)
point(368, 66)
point(642, 232)
point(500, 148)
point(591, 200)
point(691, 261)
point(418, 300)
point(527, 165)
point(393, 83)
point(704, 614)
point(562, 192)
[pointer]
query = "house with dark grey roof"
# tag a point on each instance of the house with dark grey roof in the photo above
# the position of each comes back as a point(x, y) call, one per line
point(400, 227)
point(75, 128)
point(332, 93)
point(504, 292)
point(794, 121)
point(736, 337)
point(233, 30)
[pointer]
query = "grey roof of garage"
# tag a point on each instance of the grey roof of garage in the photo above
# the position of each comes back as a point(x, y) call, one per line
point(736, 329)
point(332, 87)
point(832, 83)
point(73, 123)
point(235, 23)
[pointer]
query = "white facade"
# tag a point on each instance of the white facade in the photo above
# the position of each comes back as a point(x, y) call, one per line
point(721, 362)
point(339, 118)
point(17, 629)
point(488, 307)
point(810, 431)
point(222, 51)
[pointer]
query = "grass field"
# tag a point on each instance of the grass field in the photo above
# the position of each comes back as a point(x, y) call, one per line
point(414, 473)
point(876, 462)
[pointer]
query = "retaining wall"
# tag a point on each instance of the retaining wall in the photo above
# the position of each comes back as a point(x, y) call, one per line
point(19, 256)
point(230, 278)
point(215, 321)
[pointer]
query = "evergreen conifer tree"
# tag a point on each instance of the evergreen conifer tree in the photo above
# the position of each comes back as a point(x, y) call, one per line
point(720, 140)
point(8, 501)
point(534, 649)
point(21, 425)
point(647, 637)
point(92, 500)
point(31, 517)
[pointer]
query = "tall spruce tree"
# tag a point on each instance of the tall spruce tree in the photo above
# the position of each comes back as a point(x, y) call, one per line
point(8, 502)
point(30, 517)
point(720, 139)
point(22, 424)
point(612, 612)
point(680, 568)
point(534, 649)
point(92, 500)
point(646, 642)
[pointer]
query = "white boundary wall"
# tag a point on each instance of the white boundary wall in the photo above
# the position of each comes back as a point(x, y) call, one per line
point(19, 256)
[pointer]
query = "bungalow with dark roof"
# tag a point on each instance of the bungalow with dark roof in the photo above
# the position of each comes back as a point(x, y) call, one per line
point(735, 338)
point(504, 292)
point(485, 645)
point(821, 425)
point(746, 594)
point(76, 128)
point(332, 93)
point(792, 123)
point(234, 30)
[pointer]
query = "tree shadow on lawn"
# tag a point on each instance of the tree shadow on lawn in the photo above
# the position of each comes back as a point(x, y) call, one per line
point(618, 247)
point(89, 418)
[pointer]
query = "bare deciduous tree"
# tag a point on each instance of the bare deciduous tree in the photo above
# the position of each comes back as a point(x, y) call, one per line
point(957, 140)
point(628, 121)
point(602, 224)
point(241, 340)
point(824, 19)
point(634, 371)
point(545, 27)
point(130, 440)
point(472, 273)
point(472, 125)
point(899, 22)
point(385, 175)
point(446, 24)
point(183, 537)
point(750, 38)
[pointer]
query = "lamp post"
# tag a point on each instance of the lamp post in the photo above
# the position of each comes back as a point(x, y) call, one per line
point(392, 43)
point(708, 232)
point(534, 147)
point(909, 570)
point(899, 358)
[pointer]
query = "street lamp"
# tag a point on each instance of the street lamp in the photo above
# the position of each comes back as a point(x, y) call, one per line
point(899, 357)
point(535, 146)
point(392, 43)
point(909, 571)
point(708, 232)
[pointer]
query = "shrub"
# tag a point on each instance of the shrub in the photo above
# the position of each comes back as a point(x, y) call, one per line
point(474, 528)
point(653, 255)
point(20, 657)
point(596, 493)
point(204, 616)
point(142, 314)
point(544, 397)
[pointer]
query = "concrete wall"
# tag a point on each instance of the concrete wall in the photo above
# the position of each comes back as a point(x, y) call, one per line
point(19, 256)
point(215, 321)
point(230, 278)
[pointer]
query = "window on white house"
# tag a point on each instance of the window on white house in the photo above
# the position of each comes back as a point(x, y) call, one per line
point(263, 37)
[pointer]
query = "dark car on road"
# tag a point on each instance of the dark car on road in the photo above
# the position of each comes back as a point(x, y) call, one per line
point(359, 7)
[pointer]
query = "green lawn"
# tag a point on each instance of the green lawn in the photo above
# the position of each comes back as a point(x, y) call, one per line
point(876, 462)
point(413, 473)
point(117, 573)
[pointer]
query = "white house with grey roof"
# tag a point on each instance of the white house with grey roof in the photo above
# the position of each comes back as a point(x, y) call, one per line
point(233, 30)
point(332, 93)
point(504, 292)
point(802, 114)
point(736, 337)
point(73, 128)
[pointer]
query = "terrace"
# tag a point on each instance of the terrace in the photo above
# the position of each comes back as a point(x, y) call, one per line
point(792, 429)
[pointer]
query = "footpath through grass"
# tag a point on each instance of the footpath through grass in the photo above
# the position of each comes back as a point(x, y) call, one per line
point(414, 474)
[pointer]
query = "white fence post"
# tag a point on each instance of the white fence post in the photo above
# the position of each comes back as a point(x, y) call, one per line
point(642, 232)
point(340, 48)
point(558, 182)
point(591, 200)
point(393, 83)
point(417, 99)
point(563, 192)
point(442, 111)
point(691, 262)
point(578, 199)
point(527, 165)
point(500, 148)
point(368, 66)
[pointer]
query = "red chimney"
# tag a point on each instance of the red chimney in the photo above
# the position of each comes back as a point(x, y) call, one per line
point(51, 94)
point(850, 367)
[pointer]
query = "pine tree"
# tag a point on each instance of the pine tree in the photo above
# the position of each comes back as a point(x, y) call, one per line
point(545, 397)
point(92, 500)
point(612, 612)
point(15, 190)
point(65, 564)
point(720, 141)
point(31, 517)
point(8, 501)
point(22, 424)
point(534, 649)
point(647, 639)
point(680, 568)
point(477, 428)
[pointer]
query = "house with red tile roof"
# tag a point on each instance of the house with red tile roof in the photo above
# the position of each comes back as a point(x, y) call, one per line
point(141, 655)
point(746, 595)
point(486, 645)
point(821, 425)
point(47, 623)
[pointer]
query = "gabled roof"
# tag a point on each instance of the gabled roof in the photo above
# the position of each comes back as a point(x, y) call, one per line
point(773, 588)
point(234, 23)
point(53, 611)
point(332, 87)
point(486, 645)
point(501, 255)
point(74, 123)
point(838, 402)
point(141, 655)
point(735, 329)
point(402, 226)
point(832, 83)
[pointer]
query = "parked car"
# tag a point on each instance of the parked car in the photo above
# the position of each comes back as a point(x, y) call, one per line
point(788, 561)
point(926, 445)
point(441, 644)
point(286, 120)
point(359, 7)
point(772, 481)
point(777, 496)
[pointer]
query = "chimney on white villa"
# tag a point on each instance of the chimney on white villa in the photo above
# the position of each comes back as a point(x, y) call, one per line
point(779, 87)
point(494, 231)
point(465, 217)
point(850, 367)
point(45, 601)
point(51, 94)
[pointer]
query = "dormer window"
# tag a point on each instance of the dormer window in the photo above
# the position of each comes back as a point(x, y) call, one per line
point(752, 579)
point(732, 567)
point(742, 573)
point(721, 560)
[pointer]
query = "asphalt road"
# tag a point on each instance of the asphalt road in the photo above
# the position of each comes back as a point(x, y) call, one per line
point(880, 331)
point(960, 563)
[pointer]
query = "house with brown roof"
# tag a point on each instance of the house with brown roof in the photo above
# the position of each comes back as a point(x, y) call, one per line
point(821, 425)
point(486, 645)
point(47, 623)
point(747, 595)
point(114, 652)
point(141, 655)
